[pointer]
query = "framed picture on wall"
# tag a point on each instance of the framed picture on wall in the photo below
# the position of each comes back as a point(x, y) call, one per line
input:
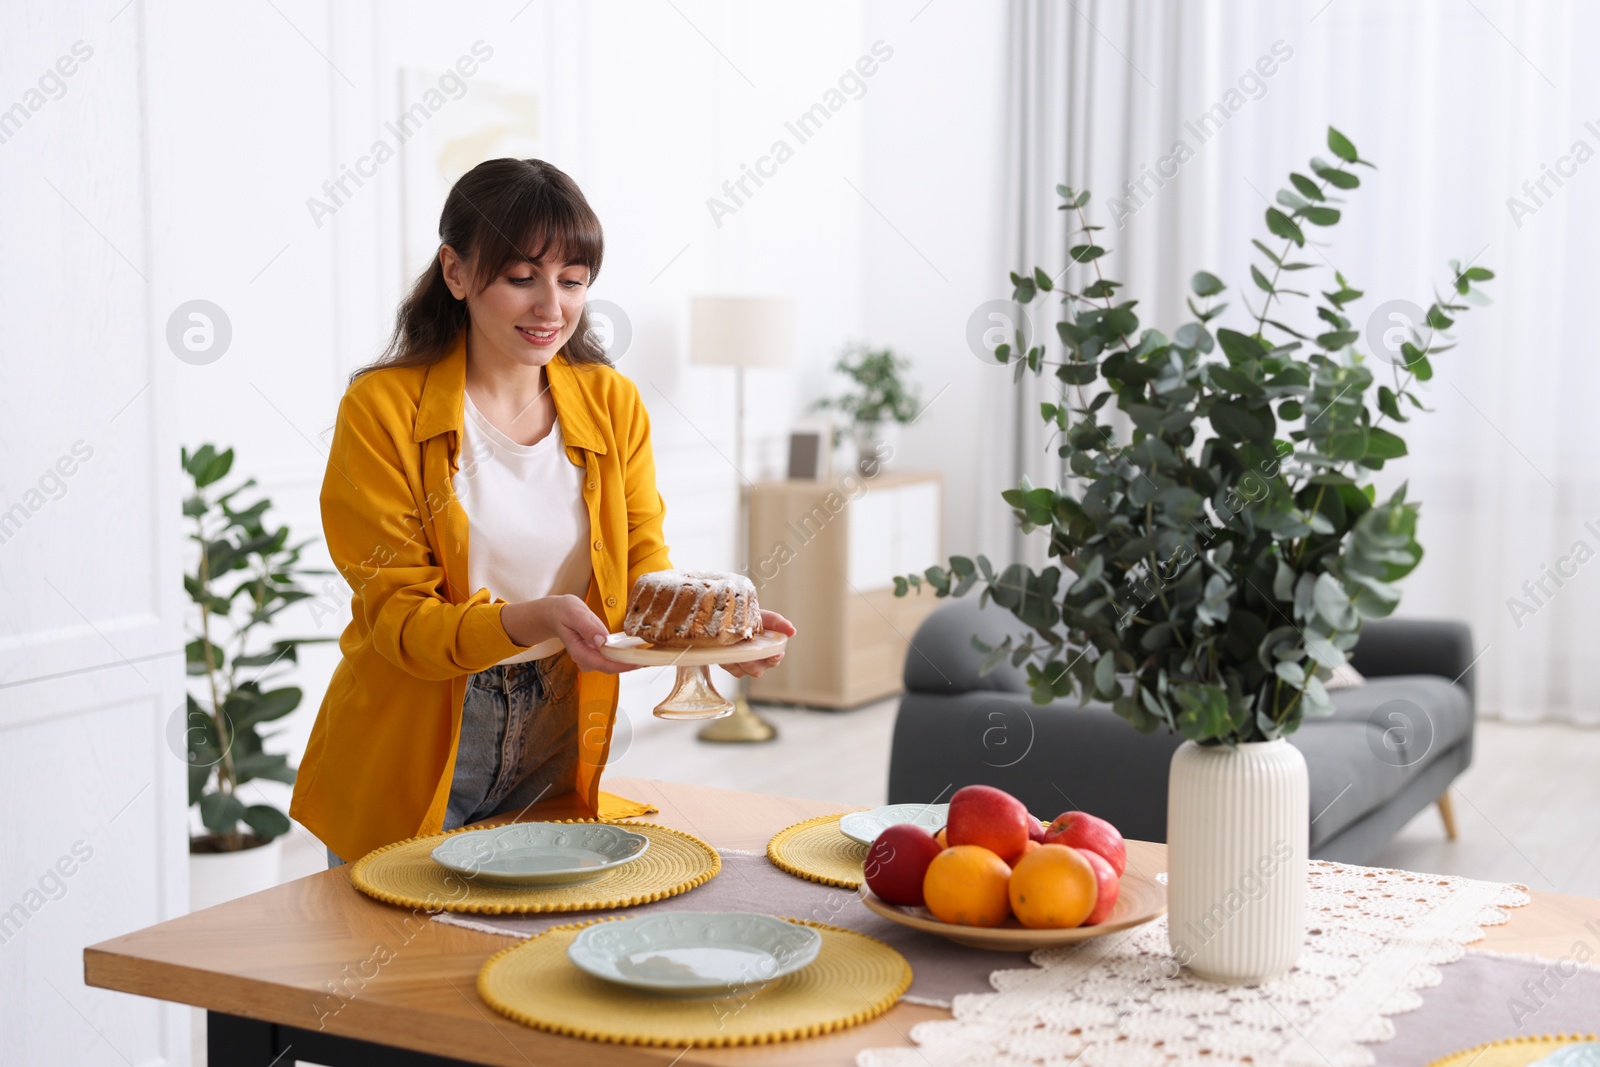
point(808, 455)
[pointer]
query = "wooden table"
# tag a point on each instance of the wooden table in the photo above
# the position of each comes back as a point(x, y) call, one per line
point(263, 966)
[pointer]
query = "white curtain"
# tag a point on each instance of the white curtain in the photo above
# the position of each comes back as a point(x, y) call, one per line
point(1095, 92)
point(1484, 122)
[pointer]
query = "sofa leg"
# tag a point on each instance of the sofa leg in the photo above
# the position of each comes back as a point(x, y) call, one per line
point(1448, 814)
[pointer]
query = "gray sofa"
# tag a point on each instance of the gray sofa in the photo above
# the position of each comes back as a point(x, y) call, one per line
point(1392, 747)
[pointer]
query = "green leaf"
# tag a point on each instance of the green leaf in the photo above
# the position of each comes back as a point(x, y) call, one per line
point(1260, 279)
point(1340, 146)
point(1234, 423)
point(266, 820)
point(273, 765)
point(1239, 347)
point(1086, 253)
point(1307, 187)
point(1206, 284)
point(1331, 600)
point(1291, 672)
point(1321, 216)
point(1283, 226)
point(1381, 444)
point(198, 777)
point(1389, 404)
point(215, 470)
point(1105, 677)
point(1339, 179)
point(220, 812)
point(266, 707)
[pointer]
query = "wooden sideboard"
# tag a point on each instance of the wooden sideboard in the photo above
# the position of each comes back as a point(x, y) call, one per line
point(825, 554)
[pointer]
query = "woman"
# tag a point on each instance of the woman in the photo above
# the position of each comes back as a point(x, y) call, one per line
point(490, 497)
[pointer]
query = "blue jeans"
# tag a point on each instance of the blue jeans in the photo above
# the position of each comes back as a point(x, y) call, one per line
point(519, 740)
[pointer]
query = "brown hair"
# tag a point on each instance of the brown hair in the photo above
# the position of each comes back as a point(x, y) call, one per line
point(498, 198)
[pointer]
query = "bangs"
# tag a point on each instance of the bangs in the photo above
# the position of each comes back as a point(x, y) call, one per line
point(554, 230)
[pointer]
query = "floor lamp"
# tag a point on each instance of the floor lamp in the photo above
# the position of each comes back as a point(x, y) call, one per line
point(741, 331)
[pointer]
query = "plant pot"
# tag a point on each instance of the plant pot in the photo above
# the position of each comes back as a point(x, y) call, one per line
point(875, 445)
point(1237, 836)
point(216, 877)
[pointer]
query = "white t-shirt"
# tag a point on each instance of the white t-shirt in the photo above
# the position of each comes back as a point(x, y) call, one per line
point(527, 524)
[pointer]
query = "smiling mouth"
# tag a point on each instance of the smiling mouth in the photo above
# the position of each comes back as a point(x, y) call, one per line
point(540, 339)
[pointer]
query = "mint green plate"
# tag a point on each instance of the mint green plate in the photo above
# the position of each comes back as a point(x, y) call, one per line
point(695, 953)
point(540, 853)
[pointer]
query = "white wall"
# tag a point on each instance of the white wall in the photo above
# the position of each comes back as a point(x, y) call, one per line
point(651, 119)
point(89, 635)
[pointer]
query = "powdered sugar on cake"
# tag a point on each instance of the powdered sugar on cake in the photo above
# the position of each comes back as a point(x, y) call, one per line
point(685, 608)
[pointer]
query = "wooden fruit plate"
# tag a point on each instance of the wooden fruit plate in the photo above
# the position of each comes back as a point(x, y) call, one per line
point(1139, 900)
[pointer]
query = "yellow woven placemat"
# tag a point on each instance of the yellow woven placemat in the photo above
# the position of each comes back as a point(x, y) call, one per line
point(405, 874)
point(817, 851)
point(854, 978)
point(1512, 1051)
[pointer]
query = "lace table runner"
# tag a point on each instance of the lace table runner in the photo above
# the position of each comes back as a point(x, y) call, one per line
point(1374, 937)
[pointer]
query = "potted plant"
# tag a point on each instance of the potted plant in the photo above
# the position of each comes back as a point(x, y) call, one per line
point(1217, 564)
point(244, 575)
point(879, 401)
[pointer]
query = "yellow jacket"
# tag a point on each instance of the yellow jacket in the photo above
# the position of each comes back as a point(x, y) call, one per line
point(381, 758)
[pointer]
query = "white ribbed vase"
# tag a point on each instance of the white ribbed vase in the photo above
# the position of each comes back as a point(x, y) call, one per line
point(1237, 829)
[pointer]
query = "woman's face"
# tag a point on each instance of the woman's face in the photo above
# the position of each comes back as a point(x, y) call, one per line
point(527, 313)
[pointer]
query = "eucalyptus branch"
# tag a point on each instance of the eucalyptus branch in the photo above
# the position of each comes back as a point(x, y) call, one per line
point(1273, 569)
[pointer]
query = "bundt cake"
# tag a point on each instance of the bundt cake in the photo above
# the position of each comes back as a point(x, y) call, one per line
point(684, 609)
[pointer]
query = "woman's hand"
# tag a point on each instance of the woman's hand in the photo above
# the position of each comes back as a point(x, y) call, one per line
point(770, 620)
point(568, 618)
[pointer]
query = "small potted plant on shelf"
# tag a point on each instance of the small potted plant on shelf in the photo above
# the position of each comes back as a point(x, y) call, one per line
point(880, 401)
point(244, 575)
point(1216, 564)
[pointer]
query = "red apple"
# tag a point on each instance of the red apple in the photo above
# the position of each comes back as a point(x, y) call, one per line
point(1082, 830)
point(1036, 829)
point(1108, 883)
point(993, 818)
point(897, 861)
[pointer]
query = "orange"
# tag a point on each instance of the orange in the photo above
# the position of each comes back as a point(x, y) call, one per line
point(939, 837)
point(1052, 888)
point(1029, 847)
point(966, 884)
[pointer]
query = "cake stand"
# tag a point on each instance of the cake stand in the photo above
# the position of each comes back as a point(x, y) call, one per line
point(693, 697)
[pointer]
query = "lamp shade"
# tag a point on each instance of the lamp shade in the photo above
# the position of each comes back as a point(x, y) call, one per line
point(741, 331)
